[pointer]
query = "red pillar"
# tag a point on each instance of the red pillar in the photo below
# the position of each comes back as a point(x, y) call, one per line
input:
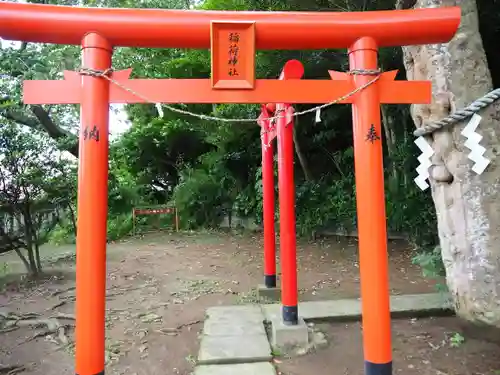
point(371, 213)
point(268, 207)
point(92, 209)
point(288, 252)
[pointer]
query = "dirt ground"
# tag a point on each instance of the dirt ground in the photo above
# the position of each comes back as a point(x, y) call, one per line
point(160, 286)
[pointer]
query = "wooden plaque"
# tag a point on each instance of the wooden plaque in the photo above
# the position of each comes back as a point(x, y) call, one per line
point(233, 54)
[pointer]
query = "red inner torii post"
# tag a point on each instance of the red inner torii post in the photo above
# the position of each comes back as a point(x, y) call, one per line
point(276, 120)
point(96, 30)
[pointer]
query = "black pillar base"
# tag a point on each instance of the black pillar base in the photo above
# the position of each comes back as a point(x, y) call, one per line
point(290, 315)
point(378, 368)
point(270, 281)
point(100, 373)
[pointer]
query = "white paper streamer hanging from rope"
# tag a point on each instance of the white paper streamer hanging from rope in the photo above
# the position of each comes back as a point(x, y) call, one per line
point(159, 109)
point(318, 115)
point(425, 163)
point(476, 150)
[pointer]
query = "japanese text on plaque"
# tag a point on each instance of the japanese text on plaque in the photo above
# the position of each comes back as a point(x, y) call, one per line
point(234, 49)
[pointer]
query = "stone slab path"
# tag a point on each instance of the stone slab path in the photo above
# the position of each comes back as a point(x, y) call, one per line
point(262, 368)
point(414, 305)
point(234, 334)
point(234, 339)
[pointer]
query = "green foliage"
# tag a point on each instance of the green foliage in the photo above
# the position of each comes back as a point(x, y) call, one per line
point(327, 204)
point(214, 168)
point(431, 263)
point(456, 340)
point(247, 203)
point(35, 189)
point(200, 197)
point(63, 234)
point(119, 226)
point(408, 209)
point(211, 169)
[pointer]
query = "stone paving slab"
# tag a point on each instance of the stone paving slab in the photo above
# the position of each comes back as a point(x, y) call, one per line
point(261, 368)
point(234, 321)
point(234, 334)
point(350, 309)
point(249, 311)
point(234, 349)
point(234, 324)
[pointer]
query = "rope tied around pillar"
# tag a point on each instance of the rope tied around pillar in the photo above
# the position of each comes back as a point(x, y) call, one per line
point(95, 72)
point(367, 72)
point(364, 72)
point(427, 129)
point(107, 74)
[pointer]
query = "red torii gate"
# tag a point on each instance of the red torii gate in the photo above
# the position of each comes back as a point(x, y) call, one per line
point(98, 30)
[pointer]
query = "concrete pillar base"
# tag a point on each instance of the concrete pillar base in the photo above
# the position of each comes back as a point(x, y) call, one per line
point(285, 336)
point(272, 294)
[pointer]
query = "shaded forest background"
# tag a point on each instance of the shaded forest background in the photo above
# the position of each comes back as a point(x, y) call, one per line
point(206, 169)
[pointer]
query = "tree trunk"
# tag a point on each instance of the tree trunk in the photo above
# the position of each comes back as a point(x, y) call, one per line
point(73, 217)
point(390, 141)
point(32, 268)
point(36, 242)
point(467, 204)
point(23, 259)
point(28, 235)
point(300, 155)
point(37, 258)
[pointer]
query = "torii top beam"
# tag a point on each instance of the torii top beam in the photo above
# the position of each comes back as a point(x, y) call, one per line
point(191, 29)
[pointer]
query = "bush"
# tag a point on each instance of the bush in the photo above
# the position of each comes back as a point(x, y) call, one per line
point(200, 198)
point(62, 234)
point(119, 226)
point(411, 212)
point(431, 263)
point(325, 204)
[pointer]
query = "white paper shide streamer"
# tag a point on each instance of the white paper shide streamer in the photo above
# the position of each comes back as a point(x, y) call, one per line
point(159, 109)
point(476, 150)
point(318, 115)
point(425, 163)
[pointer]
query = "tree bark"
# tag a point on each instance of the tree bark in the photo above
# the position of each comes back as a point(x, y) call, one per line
point(467, 204)
point(390, 139)
point(73, 217)
point(38, 258)
point(300, 155)
point(34, 235)
point(23, 259)
point(30, 243)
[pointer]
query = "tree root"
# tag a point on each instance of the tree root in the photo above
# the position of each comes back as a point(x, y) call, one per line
point(62, 299)
point(176, 330)
point(121, 292)
point(11, 369)
point(10, 329)
point(64, 316)
point(61, 291)
point(58, 304)
point(189, 324)
point(71, 298)
point(7, 315)
point(52, 326)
